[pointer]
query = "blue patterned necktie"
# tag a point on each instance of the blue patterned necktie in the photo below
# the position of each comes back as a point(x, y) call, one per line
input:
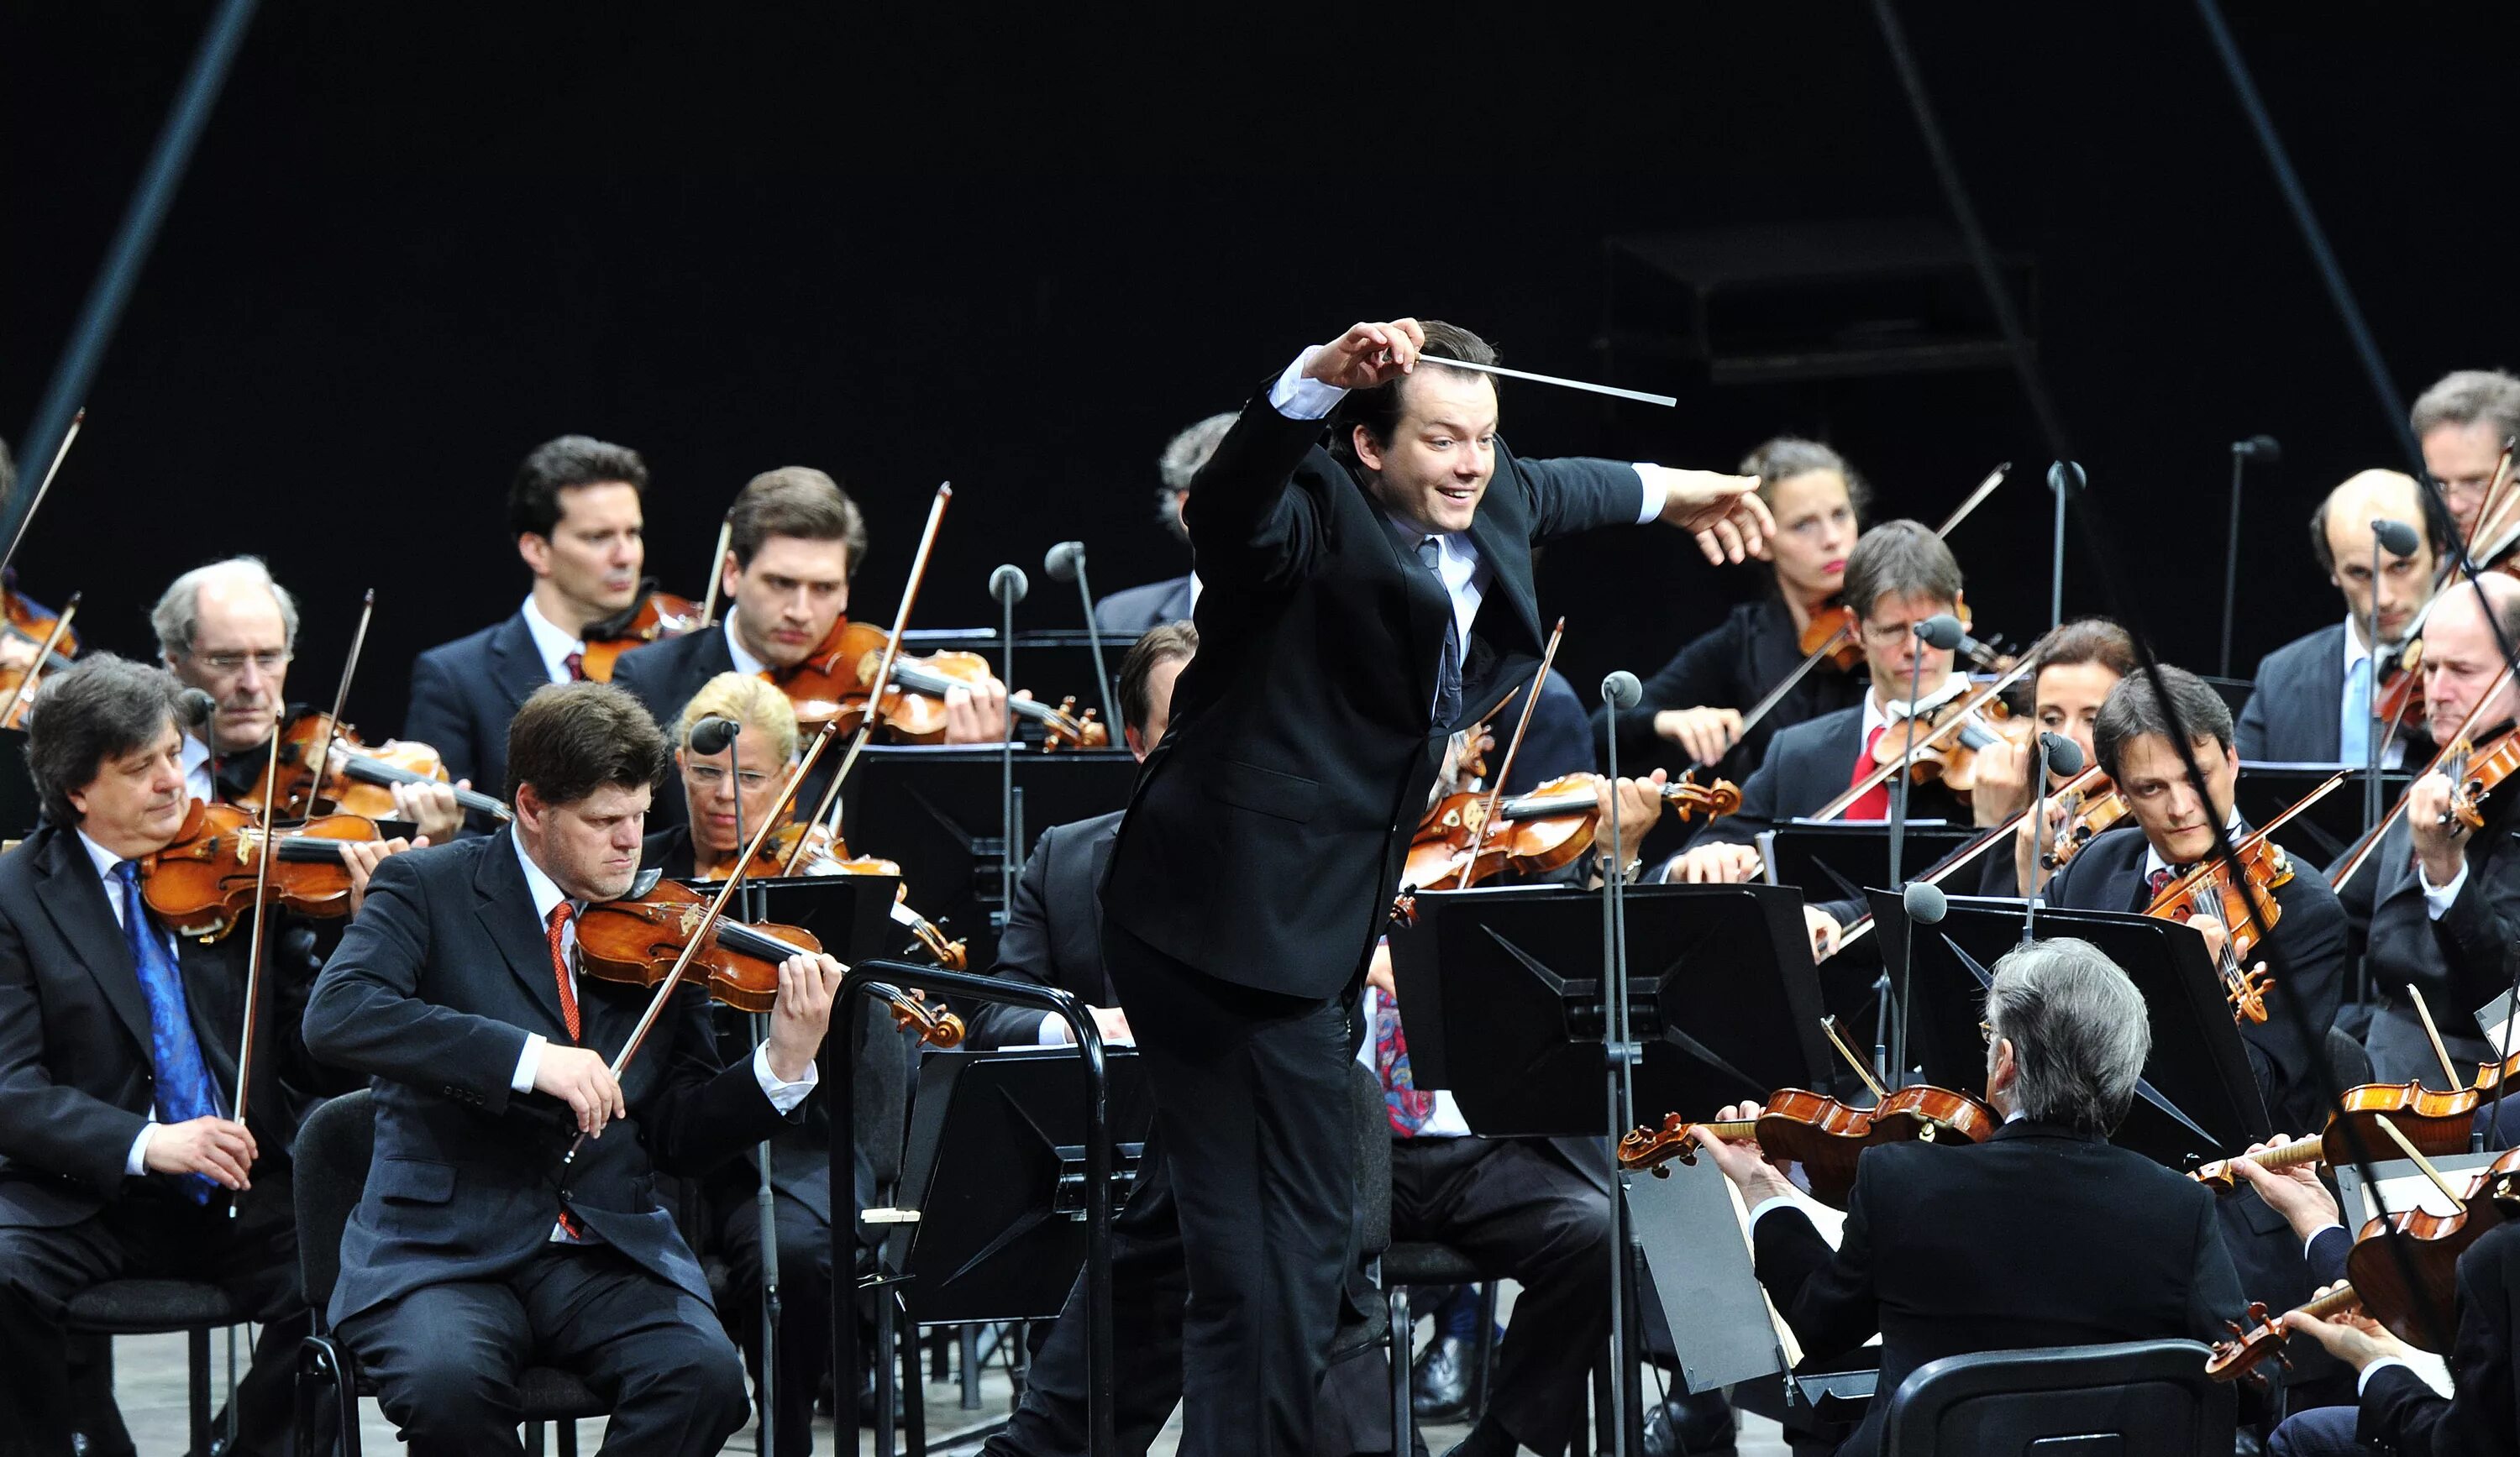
point(1448, 676)
point(1410, 1109)
point(184, 1091)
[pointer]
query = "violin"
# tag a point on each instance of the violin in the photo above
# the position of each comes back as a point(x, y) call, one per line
point(2477, 772)
point(1534, 833)
point(829, 686)
point(2436, 1124)
point(361, 778)
point(825, 853)
point(636, 940)
point(1830, 637)
point(653, 618)
point(2401, 687)
point(1951, 756)
point(34, 622)
point(1821, 1133)
point(17, 683)
point(2090, 808)
point(2210, 890)
point(203, 883)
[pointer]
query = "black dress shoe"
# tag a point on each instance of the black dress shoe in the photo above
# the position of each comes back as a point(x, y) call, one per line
point(1690, 1425)
point(1439, 1385)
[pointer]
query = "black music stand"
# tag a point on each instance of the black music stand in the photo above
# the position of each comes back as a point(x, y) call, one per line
point(851, 916)
point(996, 1169)
point(1504, 999)
point(2198, 1099)
point(2324, 831)
point(936, 810)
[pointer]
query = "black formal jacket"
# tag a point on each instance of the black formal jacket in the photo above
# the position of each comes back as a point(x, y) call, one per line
point(2401, 1414)
point(464, 692)
point(76, 1060)
point(2461, 962)
point(1734, 666)
point(2305, 956)
point(1265, 836)
point(1958, 1248)
point(2294, 710)
point(1132, 611)
point(1054, 933)
point(433, 994)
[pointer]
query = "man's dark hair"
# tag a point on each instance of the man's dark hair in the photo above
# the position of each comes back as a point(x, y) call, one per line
point(1378, 410)
point(795, 501)
point(556, 465)
point(1902, 560)
point(102, 708)
point(2134, 710)
point(1164, 643)
point(574, 738)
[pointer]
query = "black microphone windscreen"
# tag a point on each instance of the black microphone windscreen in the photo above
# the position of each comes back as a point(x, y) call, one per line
point(1008, 584)
point(2396, 537)
point(1941, 629)
point(1927, 903)
point(1621, 690)
point(195, 707)
point(2065, 756)
point(712, 734)
point(2262, 448)
point(1062, 560)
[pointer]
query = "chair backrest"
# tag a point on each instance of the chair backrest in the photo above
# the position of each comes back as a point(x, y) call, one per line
point(881, 1074)
point(331, 1160)
point(2346, 1056)
point(2142, 1399)
point(1373, 1161)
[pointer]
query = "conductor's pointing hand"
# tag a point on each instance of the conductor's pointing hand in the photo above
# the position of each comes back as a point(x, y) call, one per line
point(1726, 512)
point(1366, 355)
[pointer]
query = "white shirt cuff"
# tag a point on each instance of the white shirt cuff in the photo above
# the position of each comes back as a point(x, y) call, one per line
point(1299, 397)
point(137, 1164)
point(1771, 1201)
point(2314, 1234)
point(1054, 1030)
point(529, 1062)
point(2436, 899)
point(1657, 494)
point(784, 1096)
point(2363, 1383)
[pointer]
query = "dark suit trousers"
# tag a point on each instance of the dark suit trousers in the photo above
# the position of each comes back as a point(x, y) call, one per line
point(1255, 1133)
point(1515, 1209)
point(804, 1300)
point(445, 1357)
point(155, 1233)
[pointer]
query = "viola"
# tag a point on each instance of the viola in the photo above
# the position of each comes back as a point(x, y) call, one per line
point(653, 618)
point(1821, 1133)
point(203, 883)
point(361, 777)
point(1534, 833)
point(829, 686)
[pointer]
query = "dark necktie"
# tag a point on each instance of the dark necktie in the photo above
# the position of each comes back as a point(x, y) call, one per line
point(1448, 674)
point(184, 1091)
point(575, 663)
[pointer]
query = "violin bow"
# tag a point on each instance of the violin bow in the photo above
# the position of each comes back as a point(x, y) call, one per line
point(261, 914)
point(2371, 838)
point(2432, 1034)
point(1950, 725)
point(44, 655)
point(2497, 500)
point(1967, 854)
point(1514, 746)
point(43, 488)
point(1777, 694)
point(717, 570)
point(708, 920)
point(323, 760)
point(882, 675)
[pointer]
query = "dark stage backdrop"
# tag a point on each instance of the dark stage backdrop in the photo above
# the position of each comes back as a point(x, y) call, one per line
point(1019, 250)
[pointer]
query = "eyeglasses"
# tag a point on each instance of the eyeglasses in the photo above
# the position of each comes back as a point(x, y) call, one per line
point(1986, 1033)
point(270, 660)
point(712, 778)
point(2466, 485)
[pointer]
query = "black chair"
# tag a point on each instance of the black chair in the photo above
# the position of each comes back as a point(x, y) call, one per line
point(333, 1152)
point(1407, 1262)
point(160, 1307)
point(2142, 1399)
point(2352, 1064)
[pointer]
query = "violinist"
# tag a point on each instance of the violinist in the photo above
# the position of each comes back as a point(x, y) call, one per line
point(2313, 700)
point(1694, 703)
point(576, 512)
point(2067, 1239)
point(1133, 610)
point(2439, 904)
point(1901, 574)
point(478, 1249)
point(2081, 662)
point(119, 1152)
point(230, 630)
point(727, 805)
point(2460, 422)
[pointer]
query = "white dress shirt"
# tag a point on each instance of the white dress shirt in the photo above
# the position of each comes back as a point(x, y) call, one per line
point(554, 641)
point(106, 862)
point(197, 783)
point(2154, 861)
point(744, 662)
point(1878, 715)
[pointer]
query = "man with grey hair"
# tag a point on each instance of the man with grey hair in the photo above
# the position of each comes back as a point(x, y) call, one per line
point(1133, 611)
point(229, 630)
point(2461, 422)
point(2067, 1042)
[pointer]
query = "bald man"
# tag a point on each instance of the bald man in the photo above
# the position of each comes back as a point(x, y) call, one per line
point(2311, 701)
point(2440, 904)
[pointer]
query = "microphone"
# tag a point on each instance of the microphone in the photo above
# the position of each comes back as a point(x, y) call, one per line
point(1621, 690)
point(1927, 903)
point(1065, 561)
point(195, 707)
point(2397, 536)
point(1008, 584)
point(1944, 631)
point(2063, 756)
point(712, 734)
point(2262, 448)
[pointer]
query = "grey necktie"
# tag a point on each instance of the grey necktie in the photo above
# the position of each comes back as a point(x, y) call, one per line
point(1448, 675)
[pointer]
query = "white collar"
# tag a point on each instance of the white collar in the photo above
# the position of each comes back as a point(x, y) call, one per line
point(545, 890)
point(2153, 859)
point(105, 860)
point(554, 641)
point(744, 662)
point(197, 757)
point(2356, 649)
point(1875, 715)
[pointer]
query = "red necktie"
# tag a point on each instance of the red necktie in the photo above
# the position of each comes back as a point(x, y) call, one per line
point(557, 922)
point(1872, 802)
point(575, 663)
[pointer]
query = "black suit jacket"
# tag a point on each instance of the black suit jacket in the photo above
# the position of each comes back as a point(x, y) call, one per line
point(1299, 753)
point(76, 1060)
point(1953, 1248)
point(2305, 954)
point(2402, 1414)
point(2461, 962)
point(1132, 611)
point(464, 692)
point(1054, 933)
point(433, 994)
point(1734, 666)
point(2294, 708)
